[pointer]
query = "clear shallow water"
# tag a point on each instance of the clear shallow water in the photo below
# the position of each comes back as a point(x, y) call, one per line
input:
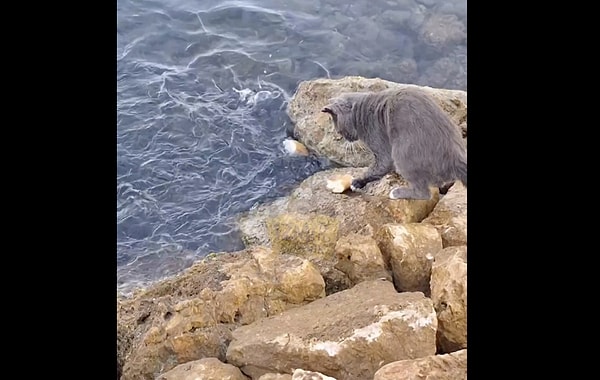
point(202, 87)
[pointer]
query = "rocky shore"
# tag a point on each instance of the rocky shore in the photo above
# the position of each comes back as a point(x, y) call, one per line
point(349, 286)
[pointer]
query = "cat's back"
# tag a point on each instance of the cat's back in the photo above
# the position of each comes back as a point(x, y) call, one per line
point(414, 97)
point(413, 107)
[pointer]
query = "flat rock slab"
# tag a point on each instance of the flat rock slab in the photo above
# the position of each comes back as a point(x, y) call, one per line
point(348, 335)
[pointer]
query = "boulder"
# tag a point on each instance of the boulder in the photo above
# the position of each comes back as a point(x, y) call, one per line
point(435, 367)
point(348, 335)
point(204, 369)
point(190, 316)
point(449, 216)
point(315, 128)
point(410, 249)
point(360, 259)
point(449, 295)
point(313, 237)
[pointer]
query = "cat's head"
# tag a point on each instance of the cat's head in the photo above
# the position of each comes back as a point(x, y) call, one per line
point(340, 109)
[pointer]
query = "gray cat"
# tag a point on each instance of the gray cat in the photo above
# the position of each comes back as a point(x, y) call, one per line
point(407, 131)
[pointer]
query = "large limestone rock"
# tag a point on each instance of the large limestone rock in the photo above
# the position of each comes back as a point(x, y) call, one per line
point(450, 216)
point(204, 369)
point(348, 335)
point(360, 259)
point(311, 236)
point(449, 295)
point(436, 367)
point(190, 316)
point(410, 249)
point(315, 129)
point(361, 212)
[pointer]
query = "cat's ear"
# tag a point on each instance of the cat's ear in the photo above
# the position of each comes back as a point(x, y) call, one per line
point(349, 103)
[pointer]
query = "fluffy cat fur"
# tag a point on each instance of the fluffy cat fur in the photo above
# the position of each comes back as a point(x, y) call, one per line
point(407, 132)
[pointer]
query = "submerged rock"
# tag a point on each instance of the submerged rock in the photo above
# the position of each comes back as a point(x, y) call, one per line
point(441, 30)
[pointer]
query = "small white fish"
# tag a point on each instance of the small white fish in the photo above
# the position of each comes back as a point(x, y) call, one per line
point(295, 147)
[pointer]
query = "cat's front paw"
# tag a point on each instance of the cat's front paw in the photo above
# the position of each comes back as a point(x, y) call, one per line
point(357, 184)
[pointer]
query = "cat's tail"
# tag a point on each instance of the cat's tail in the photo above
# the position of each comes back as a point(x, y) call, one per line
point(461, 172)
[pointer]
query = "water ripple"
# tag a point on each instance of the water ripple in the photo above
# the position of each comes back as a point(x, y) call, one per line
point(202, 89)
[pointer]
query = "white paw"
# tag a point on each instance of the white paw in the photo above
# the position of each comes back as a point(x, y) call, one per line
point(353, 188)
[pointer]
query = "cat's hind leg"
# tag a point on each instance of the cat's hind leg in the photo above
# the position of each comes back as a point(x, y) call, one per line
point(411, 166)
point(418, 188)
point(410, 192)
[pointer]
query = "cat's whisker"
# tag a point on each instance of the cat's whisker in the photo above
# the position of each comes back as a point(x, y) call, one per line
point(345, 149)
point(353, 149)
point(360, 146)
